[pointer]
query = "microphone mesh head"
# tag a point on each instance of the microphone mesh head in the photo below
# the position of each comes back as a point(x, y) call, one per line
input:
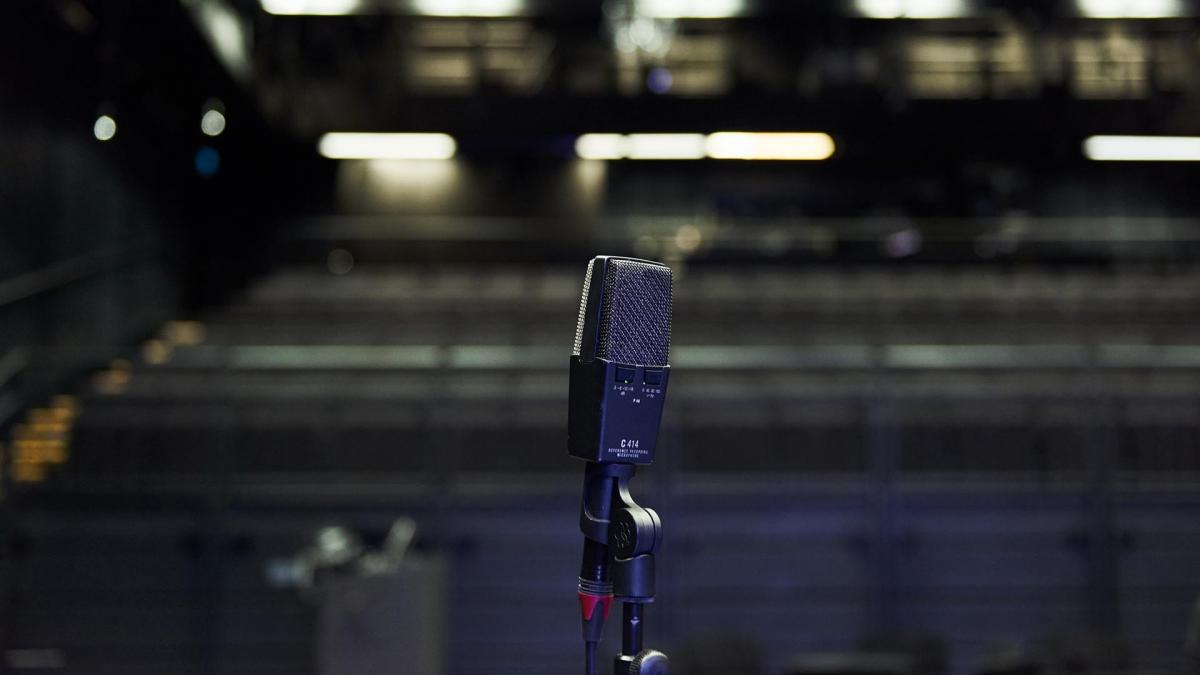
point(587, 283)
point(634, 316)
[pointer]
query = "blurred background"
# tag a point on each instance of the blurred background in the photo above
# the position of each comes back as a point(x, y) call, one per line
point(288, 287)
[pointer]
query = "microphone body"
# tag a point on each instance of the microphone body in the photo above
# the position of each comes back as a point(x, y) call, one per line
point(619, 366)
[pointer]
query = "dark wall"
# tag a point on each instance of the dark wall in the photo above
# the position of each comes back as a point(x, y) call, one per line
point(83, 256)
point(101, 241)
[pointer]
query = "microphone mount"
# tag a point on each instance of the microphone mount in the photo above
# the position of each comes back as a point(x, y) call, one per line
point(625, 537)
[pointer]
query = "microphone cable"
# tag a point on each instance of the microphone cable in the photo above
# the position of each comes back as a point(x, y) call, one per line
point(589, 652)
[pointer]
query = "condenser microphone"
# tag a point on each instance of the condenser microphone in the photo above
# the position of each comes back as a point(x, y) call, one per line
point(619, 374)
point(619, 364)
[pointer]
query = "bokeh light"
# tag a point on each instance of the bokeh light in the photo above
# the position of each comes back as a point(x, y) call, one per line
point(105, 128)
point(212, 123)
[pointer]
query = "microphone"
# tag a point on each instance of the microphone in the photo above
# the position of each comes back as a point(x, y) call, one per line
point(619, 374)
point(619, 365)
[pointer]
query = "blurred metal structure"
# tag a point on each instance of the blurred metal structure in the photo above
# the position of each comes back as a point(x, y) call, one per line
point(325, 70)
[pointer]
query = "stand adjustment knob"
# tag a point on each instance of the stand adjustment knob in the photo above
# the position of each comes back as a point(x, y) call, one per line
point(650, 662)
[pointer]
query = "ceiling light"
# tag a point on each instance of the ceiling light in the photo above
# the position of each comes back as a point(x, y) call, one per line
point(640, 146)
point(600, 146)
point(690, 9)
point(912, 9)
point(1131, 9)
point(1142, 148)
point(769, 146)
point(212, 123)
point(469, 7)
point(311, 7)
point(812, 146)
point(665, 146)
point(104, 128)
point(386, 146)
point(227, 33)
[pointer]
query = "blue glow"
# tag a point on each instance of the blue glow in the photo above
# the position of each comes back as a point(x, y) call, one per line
point(208, 161)
point(659, 80)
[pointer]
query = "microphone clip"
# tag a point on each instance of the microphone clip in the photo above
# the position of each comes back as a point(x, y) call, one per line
point(633, 538)
point(621, 540)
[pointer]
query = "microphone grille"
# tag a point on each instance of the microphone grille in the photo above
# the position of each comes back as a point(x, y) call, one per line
point(635, 320)
point(583, 301)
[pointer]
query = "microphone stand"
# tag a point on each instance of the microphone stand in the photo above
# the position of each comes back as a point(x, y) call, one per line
point(622, 547)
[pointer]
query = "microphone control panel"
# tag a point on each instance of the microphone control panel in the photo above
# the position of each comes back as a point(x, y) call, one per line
point(615, 411)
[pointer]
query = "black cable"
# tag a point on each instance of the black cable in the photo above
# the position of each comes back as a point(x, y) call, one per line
point(589, 651)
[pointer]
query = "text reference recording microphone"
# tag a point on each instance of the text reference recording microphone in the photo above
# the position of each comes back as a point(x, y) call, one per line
point(619, 376)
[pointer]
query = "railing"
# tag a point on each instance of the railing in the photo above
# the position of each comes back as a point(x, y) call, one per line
point(12, 363)
point(65, 272)
point(16, 360)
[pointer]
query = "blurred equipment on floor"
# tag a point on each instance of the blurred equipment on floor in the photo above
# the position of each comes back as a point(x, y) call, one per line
point(380, 610)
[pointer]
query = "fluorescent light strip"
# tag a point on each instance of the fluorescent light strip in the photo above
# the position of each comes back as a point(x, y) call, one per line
point(482, 8)
point(470, 8)
point(811, 146)
point(1131, 9)
point(340, 145)
point(665, 146)
point(1142, 148)
point(912, 9)
point(640, 146)
point(601, 146)
point(769, 146)
point(311, 7)
point(690, 9)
